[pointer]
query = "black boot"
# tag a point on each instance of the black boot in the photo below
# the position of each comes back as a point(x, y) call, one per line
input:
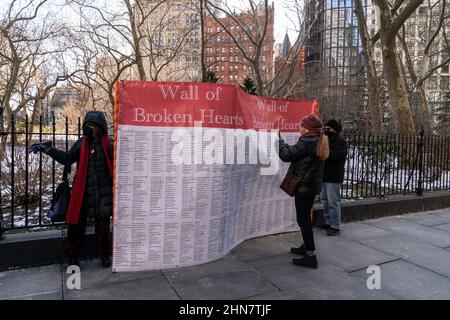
point(74, 261)
point(308, 261)
point(300, 250)
point(333, 231)
point(106, 261)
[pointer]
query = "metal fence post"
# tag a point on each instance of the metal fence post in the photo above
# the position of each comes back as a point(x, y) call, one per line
point(419, 189)
point(2, 134)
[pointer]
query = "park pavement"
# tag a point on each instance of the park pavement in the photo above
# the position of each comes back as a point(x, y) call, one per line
point(412, 251)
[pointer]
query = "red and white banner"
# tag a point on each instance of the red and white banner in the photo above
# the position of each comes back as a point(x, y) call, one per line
point(197, 171)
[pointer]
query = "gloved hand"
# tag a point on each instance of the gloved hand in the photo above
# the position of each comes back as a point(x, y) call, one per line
point(41, 147)
point(280, 139)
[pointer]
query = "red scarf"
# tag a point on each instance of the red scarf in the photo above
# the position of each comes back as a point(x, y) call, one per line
point(79, 184)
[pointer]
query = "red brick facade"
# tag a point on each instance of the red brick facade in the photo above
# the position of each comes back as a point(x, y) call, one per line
point(223, 56)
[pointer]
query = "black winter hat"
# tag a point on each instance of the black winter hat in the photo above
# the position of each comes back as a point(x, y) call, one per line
point(334, 124)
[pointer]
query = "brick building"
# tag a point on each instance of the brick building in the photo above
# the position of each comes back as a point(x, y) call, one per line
point(223, 56)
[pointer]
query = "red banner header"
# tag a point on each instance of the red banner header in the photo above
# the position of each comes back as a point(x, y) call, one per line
point(180, 104)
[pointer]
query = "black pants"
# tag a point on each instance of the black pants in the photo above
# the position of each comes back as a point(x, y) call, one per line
point(303, 205)
point(76, 233)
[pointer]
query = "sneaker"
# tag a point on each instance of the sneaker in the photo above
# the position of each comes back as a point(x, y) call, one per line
point(300, 250)
point(333, 231)
point(307, 261)
point(106, 261)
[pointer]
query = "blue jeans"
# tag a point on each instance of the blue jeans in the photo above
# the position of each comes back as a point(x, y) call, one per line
point(331, 200)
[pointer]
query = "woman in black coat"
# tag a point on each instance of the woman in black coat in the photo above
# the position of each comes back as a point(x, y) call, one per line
point(92, 194)
point(307, 156)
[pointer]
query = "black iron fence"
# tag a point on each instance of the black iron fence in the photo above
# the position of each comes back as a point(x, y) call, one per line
point(379, 166)
point(28, 181)
point(376, 166)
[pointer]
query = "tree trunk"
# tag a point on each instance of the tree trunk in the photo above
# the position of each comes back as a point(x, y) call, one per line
point(136, 41)
point(397, 87)
point(373, 83)
point(398, 92)
point(426, 117)
point(423, 118)
point(258, 79)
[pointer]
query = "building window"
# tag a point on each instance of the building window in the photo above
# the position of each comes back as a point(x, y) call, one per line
point(172, 25)
point(172, 41)
point(192, 19)
point(445, 83)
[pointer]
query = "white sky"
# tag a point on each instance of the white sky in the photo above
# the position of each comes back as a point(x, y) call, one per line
point(282, 23)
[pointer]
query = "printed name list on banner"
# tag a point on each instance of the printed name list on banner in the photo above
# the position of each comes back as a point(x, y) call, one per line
point(197, 171)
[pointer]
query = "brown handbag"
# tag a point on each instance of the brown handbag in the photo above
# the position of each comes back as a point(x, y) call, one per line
point(291, 181)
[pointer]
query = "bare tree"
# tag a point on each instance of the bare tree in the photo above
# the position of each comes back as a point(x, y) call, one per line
point(251, 20)
point(34, 59)
point(288, 74)
point(109, 47)
point(128, 40)
point(172, 40)
point(372, 79)
point(424, 63)
point(252, 25)
point(392, 66)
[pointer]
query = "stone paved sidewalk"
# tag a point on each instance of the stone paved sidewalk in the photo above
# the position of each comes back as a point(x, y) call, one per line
point(413, 252)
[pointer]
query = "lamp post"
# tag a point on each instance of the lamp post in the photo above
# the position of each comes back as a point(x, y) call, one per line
point(419, 190)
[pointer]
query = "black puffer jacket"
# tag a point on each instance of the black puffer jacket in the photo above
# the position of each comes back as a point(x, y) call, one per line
point(334, 165)
point(305, 161)
point(97, 198)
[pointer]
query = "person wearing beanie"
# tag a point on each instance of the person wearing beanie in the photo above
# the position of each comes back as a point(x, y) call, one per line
point(307, 157)
point(333, 178)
